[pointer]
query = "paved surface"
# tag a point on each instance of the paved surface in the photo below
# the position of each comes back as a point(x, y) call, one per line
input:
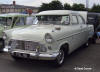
point(82, 60)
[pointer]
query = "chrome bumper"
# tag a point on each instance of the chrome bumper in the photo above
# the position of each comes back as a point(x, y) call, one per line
point(35, 55)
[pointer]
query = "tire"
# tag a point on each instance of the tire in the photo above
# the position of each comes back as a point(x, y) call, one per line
point(16, 58)
point(93, 40)
point(2, 45)
point(87, 44)
point(60, 59)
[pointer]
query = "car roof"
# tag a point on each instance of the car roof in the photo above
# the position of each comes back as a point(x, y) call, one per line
point(93, 14)
point(14, 15)
point(64, 12)
point(58, 12)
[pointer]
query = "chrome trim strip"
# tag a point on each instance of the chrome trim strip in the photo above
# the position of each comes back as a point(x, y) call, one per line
point(38, 56)
point(71, 35)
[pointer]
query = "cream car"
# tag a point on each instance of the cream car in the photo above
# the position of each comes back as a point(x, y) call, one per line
point(58, 33)
point(12, 20)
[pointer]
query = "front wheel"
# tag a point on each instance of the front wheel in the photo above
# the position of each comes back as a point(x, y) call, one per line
point(60, 58)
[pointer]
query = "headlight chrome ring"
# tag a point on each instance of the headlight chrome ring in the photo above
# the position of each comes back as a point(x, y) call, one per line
point(48, 38)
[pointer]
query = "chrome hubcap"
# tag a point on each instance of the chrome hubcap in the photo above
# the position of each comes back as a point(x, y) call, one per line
point(60, 57)
point(87, 44)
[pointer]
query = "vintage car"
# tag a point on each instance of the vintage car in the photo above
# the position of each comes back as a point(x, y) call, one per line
point(12, 20)
point(57, 34)
point(94, 19)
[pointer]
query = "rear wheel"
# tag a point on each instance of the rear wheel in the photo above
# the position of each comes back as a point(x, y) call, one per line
point(87, 44)
point(16, 58)
point(1, 45)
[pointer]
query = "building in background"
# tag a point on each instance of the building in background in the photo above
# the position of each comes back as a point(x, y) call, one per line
point(14, 8)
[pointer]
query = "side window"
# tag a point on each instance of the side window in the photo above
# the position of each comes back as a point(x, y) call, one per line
point(65, 20)
point(19, 21)
point(81, 20)
point(74, 20)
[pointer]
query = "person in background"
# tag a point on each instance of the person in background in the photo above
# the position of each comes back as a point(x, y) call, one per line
point(98, 34)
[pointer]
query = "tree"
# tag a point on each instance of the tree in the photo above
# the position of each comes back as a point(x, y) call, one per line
point(54, 5)
point(95, 8)
point(67, 6)
point(78, 7)
point(44, 7)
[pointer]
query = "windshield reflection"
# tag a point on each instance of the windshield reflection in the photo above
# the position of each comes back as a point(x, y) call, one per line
point(5, 21)
point(18, 21)
point(54, 19)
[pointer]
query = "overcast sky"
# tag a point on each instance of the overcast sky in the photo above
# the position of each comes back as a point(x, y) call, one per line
point(37, 3)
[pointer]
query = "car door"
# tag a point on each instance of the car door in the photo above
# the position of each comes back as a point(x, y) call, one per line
point(84, 29)
point(76, 35)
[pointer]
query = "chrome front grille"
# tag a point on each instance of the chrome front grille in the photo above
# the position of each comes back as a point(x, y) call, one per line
point(25, 45)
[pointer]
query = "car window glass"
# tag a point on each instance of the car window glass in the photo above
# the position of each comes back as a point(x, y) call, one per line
point(7, 21)
point(29, 20)
point(65, 20)
point(74, 20)
point(80, 19)
point(19, 21)
point(35, 20)
point(54, 19)
point(90, 20)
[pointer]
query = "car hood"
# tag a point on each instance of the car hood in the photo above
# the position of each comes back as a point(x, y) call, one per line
point(32, 33)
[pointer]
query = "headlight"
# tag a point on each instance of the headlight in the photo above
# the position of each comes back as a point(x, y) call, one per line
point(48, 38)
point(13, 43)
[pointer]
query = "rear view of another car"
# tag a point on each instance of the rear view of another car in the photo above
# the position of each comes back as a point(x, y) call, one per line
point(94, 19)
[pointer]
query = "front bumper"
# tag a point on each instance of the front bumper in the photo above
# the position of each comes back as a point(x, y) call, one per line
point(35, 55)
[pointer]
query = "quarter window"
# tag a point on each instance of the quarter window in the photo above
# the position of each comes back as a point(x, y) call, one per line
point(81, 20)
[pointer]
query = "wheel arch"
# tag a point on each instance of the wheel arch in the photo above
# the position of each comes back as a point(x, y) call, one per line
point(65, 47)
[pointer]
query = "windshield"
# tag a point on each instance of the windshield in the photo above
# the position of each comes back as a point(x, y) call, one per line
point(18, 21)
point(54, 19)
point(6, 21)
point(21, 21)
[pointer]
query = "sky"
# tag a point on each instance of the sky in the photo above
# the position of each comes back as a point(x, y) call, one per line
point(37, 3)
